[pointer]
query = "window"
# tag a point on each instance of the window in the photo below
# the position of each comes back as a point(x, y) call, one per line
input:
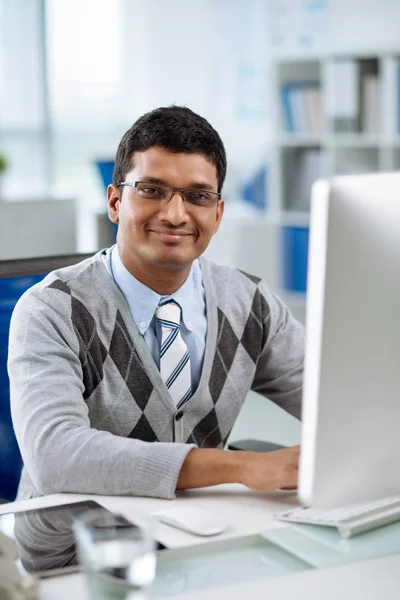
point(23, 118)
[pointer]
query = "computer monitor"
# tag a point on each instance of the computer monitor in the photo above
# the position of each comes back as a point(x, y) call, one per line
point(351, 400)
point(16, 276)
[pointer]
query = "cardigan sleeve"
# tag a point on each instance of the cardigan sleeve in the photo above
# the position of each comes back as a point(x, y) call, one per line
point(60, 450)
point(279, 371)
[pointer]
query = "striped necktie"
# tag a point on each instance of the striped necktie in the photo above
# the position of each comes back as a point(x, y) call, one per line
point(174, 354)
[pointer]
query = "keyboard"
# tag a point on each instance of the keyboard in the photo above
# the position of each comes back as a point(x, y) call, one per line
point(349, 520)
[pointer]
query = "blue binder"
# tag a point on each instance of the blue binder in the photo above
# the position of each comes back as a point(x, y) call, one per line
point(295, 254)
point(287, 109)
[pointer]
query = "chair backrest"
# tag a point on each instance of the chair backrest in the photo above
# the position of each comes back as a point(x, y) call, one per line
point(16, 276)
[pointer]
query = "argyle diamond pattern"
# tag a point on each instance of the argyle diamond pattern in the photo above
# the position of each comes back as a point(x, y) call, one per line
point(252, 278)
point(252, 338)
point(92, 352)
point(123, 353)
point(227, 343)
point(143, 431)
point(205, 426)
point(207, 433)
point(61, 286)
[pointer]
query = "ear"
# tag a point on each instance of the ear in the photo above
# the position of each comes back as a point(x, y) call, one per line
point(113, 197)
point(220, 212)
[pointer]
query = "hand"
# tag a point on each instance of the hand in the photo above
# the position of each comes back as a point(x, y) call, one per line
point(268, 471)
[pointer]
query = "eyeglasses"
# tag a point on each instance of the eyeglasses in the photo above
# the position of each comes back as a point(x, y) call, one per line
point(164, 193)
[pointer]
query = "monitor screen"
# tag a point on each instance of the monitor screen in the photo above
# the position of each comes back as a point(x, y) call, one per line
point(350, 448)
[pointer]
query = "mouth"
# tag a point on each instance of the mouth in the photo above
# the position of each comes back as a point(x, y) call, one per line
point(171, 237)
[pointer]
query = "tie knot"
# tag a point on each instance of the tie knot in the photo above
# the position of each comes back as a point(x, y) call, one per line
point(169, 314)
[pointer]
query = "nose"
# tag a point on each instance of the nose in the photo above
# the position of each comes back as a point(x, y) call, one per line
point(174, 211)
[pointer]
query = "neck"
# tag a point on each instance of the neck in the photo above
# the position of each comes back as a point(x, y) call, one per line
point(163, 280)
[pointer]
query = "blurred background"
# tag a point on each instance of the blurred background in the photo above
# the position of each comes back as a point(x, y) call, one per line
point(298, 89)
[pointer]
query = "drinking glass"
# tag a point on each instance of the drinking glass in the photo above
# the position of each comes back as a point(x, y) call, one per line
point(118, 556)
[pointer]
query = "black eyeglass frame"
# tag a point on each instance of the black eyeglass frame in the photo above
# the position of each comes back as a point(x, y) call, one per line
point(182, 193)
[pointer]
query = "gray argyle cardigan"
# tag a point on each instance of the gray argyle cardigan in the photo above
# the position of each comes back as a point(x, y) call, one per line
point(90, 410)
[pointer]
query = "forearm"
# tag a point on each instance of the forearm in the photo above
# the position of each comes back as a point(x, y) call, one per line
point(205, 466)
point(260, 471)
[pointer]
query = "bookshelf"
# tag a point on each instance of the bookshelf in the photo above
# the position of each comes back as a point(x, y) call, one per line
point(336, 113)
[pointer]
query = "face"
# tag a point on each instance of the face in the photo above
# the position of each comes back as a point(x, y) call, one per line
point(169, 235)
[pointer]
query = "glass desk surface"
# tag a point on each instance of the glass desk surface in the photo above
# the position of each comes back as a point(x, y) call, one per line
point(45, 541)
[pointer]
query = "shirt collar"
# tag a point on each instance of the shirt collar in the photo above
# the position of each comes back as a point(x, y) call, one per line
point(187, 296)
point(143, 301)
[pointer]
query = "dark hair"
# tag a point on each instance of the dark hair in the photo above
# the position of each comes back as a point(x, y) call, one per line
point(174, 128)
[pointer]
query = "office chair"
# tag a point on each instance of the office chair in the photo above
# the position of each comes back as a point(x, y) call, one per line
point(254, 445)
point(16, 276)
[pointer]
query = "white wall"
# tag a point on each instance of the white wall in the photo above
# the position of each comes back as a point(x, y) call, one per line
point(165, 65)
point(191, 53)
point(365, 25)
point(334, 25)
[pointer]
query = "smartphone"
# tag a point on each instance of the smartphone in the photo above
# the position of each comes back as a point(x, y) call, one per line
point(45, 539)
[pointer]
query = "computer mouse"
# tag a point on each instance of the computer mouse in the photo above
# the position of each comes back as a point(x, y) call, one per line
point(195, 520)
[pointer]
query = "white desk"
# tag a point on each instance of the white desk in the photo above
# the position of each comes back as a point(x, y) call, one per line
point(246, 513)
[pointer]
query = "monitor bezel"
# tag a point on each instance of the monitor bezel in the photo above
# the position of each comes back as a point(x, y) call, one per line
point(22, 267)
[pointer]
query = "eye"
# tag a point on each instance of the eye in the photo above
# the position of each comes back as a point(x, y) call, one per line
point(197, 196)
point(151, 191)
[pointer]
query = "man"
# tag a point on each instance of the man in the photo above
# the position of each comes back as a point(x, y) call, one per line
point(129, 369)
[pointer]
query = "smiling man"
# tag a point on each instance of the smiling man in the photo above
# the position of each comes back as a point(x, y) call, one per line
point(129, 369)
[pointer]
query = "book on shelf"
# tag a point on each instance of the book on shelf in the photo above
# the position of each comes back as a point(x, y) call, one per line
point(301, 108)
point(354, 96)
point(287, 112)
point(314, 109)
point(343, 95)
point(303, 167)
point(295, 256)
point(371, 104)
point(298, 103)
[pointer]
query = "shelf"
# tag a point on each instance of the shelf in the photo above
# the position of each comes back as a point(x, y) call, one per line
point(296, 140)
point(357, 140)
point(337, 140)
point(312, 93)
point(294, 218)
point(326, 55)
point(299, 57)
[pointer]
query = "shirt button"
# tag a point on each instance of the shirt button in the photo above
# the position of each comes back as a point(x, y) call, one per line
point(189, 323)
point(143, 324)
point(178, 415)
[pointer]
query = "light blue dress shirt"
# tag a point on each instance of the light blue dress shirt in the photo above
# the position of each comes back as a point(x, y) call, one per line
point(143, 302)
